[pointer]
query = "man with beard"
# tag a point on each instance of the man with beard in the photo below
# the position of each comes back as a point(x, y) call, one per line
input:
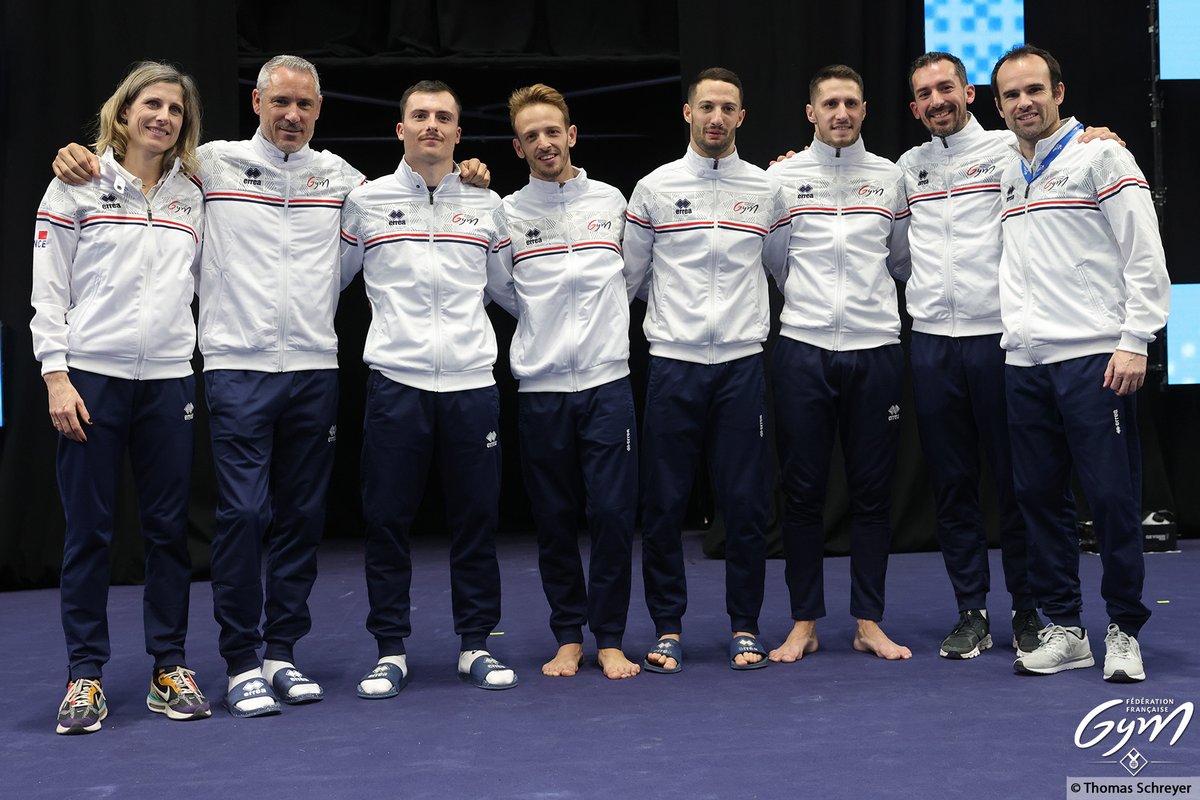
point(571, 354)
point(837, 365)
point(268, 293)
point(428, 247)
point(953, 188)
point(1083, 289)
point(698, 231)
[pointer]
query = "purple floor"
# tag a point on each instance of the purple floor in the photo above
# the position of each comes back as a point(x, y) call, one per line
point(840, 724)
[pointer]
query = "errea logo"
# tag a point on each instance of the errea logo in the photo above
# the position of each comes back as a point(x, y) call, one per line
point(492, 439)
point(923, 178)
point(1011, 193)
point(189, 412)
point(893, 412)
point(109, 201)
point(253, 176)
point(332, 433)
point(804, 192)
point(396, 217)
point(683, 206)
point(533, 236)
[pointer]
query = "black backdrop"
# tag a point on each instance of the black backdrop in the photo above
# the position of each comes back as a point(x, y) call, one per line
point(59, 61)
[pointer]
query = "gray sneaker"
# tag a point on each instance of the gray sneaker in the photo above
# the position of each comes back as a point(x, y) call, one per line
point(1123, 659)
point(1060, 649)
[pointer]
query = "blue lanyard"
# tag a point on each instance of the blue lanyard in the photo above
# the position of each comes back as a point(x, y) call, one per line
point(1053, 154)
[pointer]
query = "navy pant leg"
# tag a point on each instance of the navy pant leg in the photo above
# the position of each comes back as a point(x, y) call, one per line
point(870, 429)
point(469, 460)
point(161, 442)
point(302, 461)
point(550, 464)
point(950, 440)
point(672, 434)
point(1101, 430)
point(608, 456)
point(738, 461)
point(805, 421)
point(243, 407)
point(1042, 480)
point(983, 359)
point(398, 441)
point(88, 473)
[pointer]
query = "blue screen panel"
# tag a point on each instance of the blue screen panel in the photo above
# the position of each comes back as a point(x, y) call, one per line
point(1178, 39)
point(1183, 334)
point(977, 31)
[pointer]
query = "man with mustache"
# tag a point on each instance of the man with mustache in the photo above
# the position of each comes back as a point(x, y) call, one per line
point(429, 248)
point(571, 354)
point(698, 232)
point(268, 292)
point(953, 188)
point(838, 365)
point(1083, 289)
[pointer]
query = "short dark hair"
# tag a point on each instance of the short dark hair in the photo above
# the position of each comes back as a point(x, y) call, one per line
point(716, 74)
point(934, 56)
point(429, 87)
point(1023, 51)
point(831, 72)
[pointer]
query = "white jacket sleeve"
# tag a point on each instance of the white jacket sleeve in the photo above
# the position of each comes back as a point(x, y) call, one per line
point(775, 246)
point(1124, 197)
point(500, 286)
point(899, 262)
point(351, 251)
point(637, 246)
point(55, 238)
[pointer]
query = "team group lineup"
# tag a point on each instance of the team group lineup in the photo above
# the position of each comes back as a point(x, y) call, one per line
point(1035, 278)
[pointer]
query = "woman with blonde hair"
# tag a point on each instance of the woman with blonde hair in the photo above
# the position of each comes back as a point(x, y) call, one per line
point(115, 267)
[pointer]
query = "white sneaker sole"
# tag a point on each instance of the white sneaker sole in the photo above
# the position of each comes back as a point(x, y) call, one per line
point(1121, 676)
point(984, 644)
point(1079, 663)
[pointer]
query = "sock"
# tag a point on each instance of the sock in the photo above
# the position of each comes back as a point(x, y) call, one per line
point(497, 677)
point(271, 667)
point(381, 685)
point(252, 703)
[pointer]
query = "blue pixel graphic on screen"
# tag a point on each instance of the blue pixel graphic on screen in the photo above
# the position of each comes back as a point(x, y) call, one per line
point(1179, 39)
point(1183, 334)
point(977, 31)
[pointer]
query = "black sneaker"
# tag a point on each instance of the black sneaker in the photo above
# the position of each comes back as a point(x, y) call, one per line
point(1026, 625)
point(970, 636)
point(83, 708)
point(173, 691)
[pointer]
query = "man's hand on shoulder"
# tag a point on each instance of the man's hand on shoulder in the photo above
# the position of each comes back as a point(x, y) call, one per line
point(475, 172)
point(76, 165)
point(1092, 134)
point(1126, 372)
point(777, 159)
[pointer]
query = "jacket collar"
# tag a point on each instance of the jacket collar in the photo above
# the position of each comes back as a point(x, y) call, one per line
point(570, 189)
point(706, 167)
point(275, 156)
point(970, 133)
point(1043, 146)
point(837, 155)
point(410, 177)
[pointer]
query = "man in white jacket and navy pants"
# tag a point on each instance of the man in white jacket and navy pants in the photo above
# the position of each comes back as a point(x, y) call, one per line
point(1083, 290)
point(429, 248)
point(571, 354)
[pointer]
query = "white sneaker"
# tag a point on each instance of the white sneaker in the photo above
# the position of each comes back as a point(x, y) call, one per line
point(1123, 659)
point(1061, 648)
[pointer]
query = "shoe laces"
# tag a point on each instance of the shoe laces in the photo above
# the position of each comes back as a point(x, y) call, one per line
point(184, 681)
point(81, 693)
point(1053, 636)
point(1118, 643)
point(964, 624)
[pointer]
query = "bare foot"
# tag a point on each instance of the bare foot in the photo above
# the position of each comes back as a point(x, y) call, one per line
point(800, 642)
point(658, 659)
point(565, 663)
point(744, 659)
point(870, 638)
point(615, 664)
